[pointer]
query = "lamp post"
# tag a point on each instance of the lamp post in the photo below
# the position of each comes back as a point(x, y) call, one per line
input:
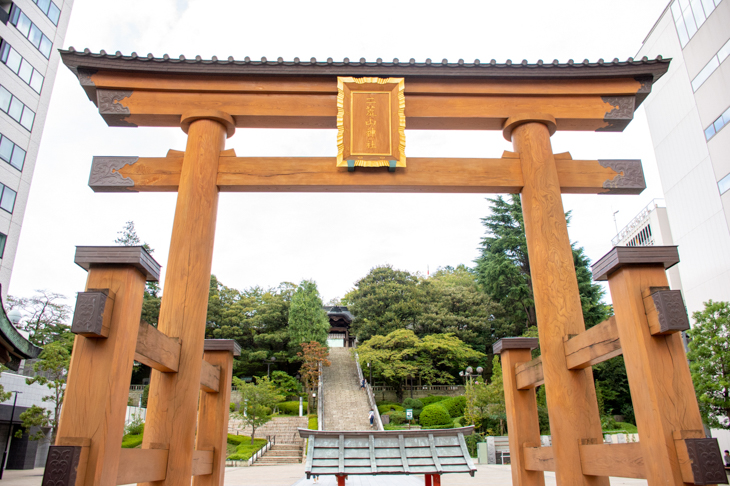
point(469, 373)
point(10, 431)
point(268, 362)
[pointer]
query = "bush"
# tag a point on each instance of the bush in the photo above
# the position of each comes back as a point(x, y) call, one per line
point(145, 396)
point(135, 427)
point(431, 399)
point(131, 441)
point(444, 426)
point(458, 422)
point(244, 449)
point(313, 422)
point(454, 405)
point(386, 408)
point(397, 418)
point(412, 403)
point(435, 415)
point(471, 443)
point(232, 407)
point(291, 408)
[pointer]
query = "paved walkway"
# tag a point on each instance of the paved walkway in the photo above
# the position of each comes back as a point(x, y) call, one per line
point(293, 475)
point(345, 404)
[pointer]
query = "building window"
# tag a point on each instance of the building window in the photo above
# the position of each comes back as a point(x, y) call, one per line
point(31, 31)
point(642, 238)
point(3, 239)
point(718, 125)
point(724, 184)
point(11, 153)
point(51, 9)
point(7, 198)
point(20, 66)
point(689, 15)
point(711, 66)
point(16, 109)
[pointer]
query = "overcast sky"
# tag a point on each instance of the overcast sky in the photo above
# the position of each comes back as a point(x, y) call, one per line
point(265, 239)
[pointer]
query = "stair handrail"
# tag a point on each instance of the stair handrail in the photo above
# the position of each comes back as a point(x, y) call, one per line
point(320, 399)
point(270, 442)
point(371, 396)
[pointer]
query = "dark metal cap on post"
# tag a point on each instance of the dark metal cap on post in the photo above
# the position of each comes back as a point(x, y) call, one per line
point(136, 256)
point(621, 256)
point(515, 343)
point(222, 345)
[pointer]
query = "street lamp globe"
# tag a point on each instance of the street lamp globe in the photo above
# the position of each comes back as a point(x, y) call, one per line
point(461, 373)
point(480, 370)
point(469, 370)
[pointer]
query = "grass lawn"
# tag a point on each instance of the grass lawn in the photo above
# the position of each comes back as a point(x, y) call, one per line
point(313, 423)
point(131, 441)
point(622, 427)
point(242, 448)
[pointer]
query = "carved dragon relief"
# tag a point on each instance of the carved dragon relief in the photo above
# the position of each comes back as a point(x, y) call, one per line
point(105, 176)
point(84, 76)
point(620, 115)
point(61, 465)
point(628, 179)
point(110, 108)
point(707, 466)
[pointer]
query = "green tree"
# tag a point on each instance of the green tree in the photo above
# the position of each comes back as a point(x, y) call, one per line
point(152, 299)
point(383, 301)
point(286, 384)
point(307, 319)
point(45, 316)
point(503, 269)
point(256, 402)
point(313, 356)
point(709, 356)
point(51, 370)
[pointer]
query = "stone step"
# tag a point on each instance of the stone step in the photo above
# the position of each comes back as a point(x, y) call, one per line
point(279, 460)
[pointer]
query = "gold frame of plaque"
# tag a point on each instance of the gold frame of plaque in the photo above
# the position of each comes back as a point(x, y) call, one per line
point(371, 122)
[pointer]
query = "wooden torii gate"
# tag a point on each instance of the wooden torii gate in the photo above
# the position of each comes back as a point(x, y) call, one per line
point(210, 99)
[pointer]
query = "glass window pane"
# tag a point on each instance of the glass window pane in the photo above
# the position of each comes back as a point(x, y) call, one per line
point(46, 46)
point(26, 71)
point(724, 51)
point(717, 2)
point(676, 11)
point(724, 184)
point(709, 132)
point(36, 82)
point(16, 108)
point(698, 12)
point(705, 73)
point(3, 238)
point(18, 158)
point(35, 35)
point(5, 98)
point(24, 24)
point(14, 59)
point(6, 149)
point(5, 51)
point(682, 32)
point(8, 199)
point(726, 117)
point(54, 13)
point(43, 5)
point(28, 117)
point(709, 6)
point(689, 21)
point(718, 124)
point(14, 15)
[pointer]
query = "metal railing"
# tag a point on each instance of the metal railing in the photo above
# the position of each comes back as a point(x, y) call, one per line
point(637, 220)
point(270, 442)
point(137, 387)
point(423, 387)
point(320, 400)
point(371, 396)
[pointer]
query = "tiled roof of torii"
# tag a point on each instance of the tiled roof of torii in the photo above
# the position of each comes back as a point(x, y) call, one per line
point(586, 69)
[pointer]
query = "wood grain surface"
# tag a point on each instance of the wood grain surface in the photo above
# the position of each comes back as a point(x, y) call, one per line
point(97, 388)
point(593, 346)
point(173, 398)
point(529, 374)
point(156, 350)
point(661, 386)
point(210, 376)
point(571, 395)
point(213, 419)
point(618, 460)
point(522, 420)
point(139, 465)
point(539, 458)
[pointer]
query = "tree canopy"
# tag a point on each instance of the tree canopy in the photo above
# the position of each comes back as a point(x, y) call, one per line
point(307, 319)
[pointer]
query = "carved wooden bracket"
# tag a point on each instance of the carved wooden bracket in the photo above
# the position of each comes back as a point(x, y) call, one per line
point(665, 311)
point(699, 458)
point(66, 462)
point(93, 313)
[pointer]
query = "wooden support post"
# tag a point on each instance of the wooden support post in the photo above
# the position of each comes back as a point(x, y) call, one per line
point(521, 405)
point(661, 386)
point(213, 410)
point(427, 480)
point(341, 479)
point(529, 374)
point(596, 345)
point(173, 397)
point(97, 388)
point(436, 479)
point(571, 395)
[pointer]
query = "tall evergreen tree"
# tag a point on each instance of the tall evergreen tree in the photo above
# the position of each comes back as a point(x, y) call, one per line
point(307, 319)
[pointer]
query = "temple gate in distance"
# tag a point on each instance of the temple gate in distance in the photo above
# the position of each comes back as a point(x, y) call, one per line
point(370, 103)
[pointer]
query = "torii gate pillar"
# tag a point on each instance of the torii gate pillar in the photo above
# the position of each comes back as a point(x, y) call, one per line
point(571, 395)
point(173, 398)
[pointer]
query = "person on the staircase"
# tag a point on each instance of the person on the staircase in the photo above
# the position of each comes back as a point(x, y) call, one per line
point(371, 417)
point(362, 384)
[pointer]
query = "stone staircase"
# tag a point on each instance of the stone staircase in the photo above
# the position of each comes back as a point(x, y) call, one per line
point(284, 428)
point(282, 454)
point(345, 404)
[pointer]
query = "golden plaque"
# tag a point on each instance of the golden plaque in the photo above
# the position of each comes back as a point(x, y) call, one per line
point(371, 122)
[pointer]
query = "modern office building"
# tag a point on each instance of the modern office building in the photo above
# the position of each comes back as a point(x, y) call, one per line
point(688, 113)
point(31, 31)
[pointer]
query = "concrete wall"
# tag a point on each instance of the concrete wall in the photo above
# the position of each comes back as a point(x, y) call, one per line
point(388, 394)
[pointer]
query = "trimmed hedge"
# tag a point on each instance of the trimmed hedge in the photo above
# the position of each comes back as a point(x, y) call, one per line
point(131, 441)
point(397, 418)
point(435, 415)
point(291, 408)
point(412, 403)
point(313, 422)
point(385, 408)
point(454, 405)
point(431, 399)
point(244, 449)
point(444, 426)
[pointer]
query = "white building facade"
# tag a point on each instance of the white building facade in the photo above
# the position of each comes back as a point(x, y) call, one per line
point(31, 31)
point(688, 112)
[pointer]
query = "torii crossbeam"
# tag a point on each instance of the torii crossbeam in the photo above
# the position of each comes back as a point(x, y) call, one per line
point(210, 99)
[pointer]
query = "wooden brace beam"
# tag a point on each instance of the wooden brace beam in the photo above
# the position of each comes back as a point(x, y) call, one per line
point(157, 350)
point(539, 458)
point(593, 346)
point(620, 460)
point(530, 374)
point(210, 377)
point(142, 465)
point(320, 174)
point(202, 463)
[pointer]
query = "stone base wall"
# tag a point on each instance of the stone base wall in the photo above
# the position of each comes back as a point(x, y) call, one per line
point(388, 394)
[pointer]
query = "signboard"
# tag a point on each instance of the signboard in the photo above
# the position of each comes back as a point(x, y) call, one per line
point(409, 414)
point(371, 122)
